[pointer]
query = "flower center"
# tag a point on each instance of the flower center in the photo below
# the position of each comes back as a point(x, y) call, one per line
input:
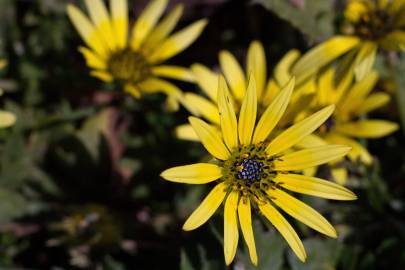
point(250, 170)
point(373, 25)
point(127, 65)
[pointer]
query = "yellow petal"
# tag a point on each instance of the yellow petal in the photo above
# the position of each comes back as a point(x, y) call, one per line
point(245, 220)
point(92, 59)
point(229, 125)
point(357, 152)
point(285, 229)
point(301, 212)
point(163, 29)
point(155, 85)
point(373, 102)
point(314, 186)
point(146, 21)
point(178, 42)
point(256, 65)
point(186, 132)
point(322, 55)
point(173, 72)
point(297, 132)
point(119, 14)
point(339, 175)
point(233, 73)
point(282, 71)
point(365, 59)
point(207, 208)
point(86, 30)
point(199, 173)
point(311, 140)
point(358, 93)
point(132, 90)
point(6, 119)
point(272, 89)
point(247, 116)
point(326, 87)
point(101, 19)
point(203, 107)
point(102, 75)
point(367, 128)
point(310, 157)
point(209, 138)
point(273, 113)
point(396, 39)
point(207, 80)
point(231, 234)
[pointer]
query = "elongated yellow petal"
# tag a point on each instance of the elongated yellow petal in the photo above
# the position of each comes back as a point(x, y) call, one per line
point(339, 175)
point(357, 152)
point(102, 75)
point(326, 87)
point(311, 140)
point(314, 186)
point(233, 73)
point(256, 65)
point(178, 42)
point(358, 93)
point(367, 128)
point(173, 72)
point(282, 72)
point(92, 59)
point(373, 102)
point(229, 124)
point(209, 138)
point(132, 90)
point(87, 30)
point(272, 89)
point(365, 59)
point(203, 107)
point(231, 233)
point(101, 19)
point(146, 21)
point(199, 173)
point(119, 15)
point(322, 55)
point(273, 113)
point(245, 220)
point(186, 132)
point(207, 80)
point(310, 157)
point(6, 119)
point(247, 116)
point(297, 132)
point(301, 212)
point(207, 208)
point(285, 229)
point(395, 40)
point(163, 29)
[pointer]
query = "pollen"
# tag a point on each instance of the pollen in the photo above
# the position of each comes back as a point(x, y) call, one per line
point(127, 65)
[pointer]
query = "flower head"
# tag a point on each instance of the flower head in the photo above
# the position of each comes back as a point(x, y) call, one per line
point(353, 100)
point(253, 172)
point(237, 78)
point(370, 25)
point(135, 62)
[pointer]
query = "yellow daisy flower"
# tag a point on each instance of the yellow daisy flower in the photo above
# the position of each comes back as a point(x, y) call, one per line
point(237, 78)
point(136, 62)
point(352, 100)
point(370, 25)
point(251, 171)
point(6, 118)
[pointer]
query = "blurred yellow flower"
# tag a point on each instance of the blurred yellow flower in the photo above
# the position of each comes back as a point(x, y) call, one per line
point(266, 87)
point(136, 62)
point(252, 171)
point(353, 101)
point(369, 25)
point(6, 118)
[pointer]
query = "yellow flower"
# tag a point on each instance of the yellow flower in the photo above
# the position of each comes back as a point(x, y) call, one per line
point(251, 171)
point(6, 118)
point(352, 100)
point(370, 25)
point(237, 79)
point(136, 62)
